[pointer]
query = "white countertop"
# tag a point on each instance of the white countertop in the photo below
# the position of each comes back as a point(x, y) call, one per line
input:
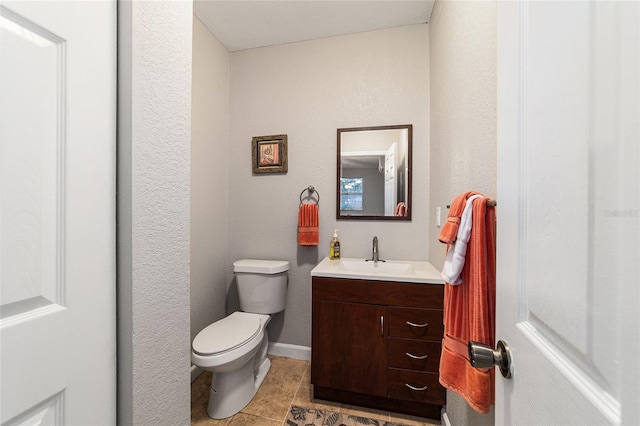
point(390, 270)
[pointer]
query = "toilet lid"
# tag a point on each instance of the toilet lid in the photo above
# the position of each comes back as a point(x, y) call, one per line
point(254, 266)
point(227, 333)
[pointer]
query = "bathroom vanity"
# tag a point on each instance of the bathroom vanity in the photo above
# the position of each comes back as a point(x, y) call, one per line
point(376, 335)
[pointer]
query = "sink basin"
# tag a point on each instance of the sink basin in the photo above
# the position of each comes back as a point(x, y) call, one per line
point(386, 268)
point(391, 270)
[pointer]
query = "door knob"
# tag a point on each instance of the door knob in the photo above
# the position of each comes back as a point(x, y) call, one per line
point(482, 356)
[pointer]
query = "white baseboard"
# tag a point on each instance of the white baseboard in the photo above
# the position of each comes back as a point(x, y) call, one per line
point(444, 419)
point(290, 351)
point(195, 372)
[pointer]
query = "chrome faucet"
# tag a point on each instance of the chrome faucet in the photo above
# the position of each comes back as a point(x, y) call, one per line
point(374, 255)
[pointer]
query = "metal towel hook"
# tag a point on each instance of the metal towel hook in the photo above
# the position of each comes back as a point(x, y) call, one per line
point(311, 191)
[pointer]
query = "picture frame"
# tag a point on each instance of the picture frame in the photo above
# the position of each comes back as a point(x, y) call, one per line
point(269, 154)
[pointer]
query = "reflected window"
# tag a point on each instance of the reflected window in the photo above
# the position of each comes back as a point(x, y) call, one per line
point(351, 193)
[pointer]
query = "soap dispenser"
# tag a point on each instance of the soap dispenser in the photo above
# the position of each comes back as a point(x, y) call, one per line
point(334, 246)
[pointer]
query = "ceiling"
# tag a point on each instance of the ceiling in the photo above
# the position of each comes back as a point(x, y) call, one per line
point(242, 24)
point(363, 162)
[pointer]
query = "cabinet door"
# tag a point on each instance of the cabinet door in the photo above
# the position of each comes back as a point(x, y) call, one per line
point(349, 347)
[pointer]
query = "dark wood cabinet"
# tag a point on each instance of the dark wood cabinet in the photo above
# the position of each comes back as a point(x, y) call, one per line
point(350, 351)
point(377, 344)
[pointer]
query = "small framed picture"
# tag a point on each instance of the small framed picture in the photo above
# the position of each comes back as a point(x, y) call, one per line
point(269, 154)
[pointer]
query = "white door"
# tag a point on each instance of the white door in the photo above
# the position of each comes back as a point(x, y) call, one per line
point(390, 180)
point(568, 212)
point(57, 212)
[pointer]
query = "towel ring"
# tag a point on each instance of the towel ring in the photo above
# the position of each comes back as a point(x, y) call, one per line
point(311, 191)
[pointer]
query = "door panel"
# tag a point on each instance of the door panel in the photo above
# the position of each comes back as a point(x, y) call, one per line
point(32, 170)
point(390, 187)
point(57, 212)
point(568, 211)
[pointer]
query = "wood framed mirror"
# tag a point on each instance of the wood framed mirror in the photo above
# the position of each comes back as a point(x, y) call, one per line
point(374, 173)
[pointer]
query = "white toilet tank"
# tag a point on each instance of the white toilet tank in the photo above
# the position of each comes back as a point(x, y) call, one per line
point(262, 285)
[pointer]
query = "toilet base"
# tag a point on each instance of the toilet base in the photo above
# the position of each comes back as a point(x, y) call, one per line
point(232, 391)
point(262, 372)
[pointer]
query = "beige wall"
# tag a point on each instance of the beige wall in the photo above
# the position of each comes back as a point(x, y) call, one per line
point(154, 122)
point(463, 125)
point(308, 90)
point(463, 105)
point(209, 177)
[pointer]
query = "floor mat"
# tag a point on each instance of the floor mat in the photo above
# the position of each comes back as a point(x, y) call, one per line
point(302, 416)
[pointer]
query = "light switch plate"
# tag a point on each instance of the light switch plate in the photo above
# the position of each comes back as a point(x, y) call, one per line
point(438, 213)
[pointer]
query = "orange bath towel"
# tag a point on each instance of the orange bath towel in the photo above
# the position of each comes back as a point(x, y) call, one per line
point(469, 308)
point(308, 225)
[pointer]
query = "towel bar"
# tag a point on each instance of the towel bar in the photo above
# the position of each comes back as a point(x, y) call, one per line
point(490, 203)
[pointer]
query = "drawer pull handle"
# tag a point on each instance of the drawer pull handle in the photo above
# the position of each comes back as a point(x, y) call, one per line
point(413, 388)
point(382, 325)
point(426, 324)
point(416, 356)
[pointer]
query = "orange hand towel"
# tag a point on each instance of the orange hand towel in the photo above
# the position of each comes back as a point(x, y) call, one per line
point(450, 227)
point(401, 209)
point(469, 312)
point(308, 225)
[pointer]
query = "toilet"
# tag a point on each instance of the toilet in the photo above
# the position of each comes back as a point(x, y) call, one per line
point(235, 347)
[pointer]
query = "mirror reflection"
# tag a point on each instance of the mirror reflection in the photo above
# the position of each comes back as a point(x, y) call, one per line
point(374, 173)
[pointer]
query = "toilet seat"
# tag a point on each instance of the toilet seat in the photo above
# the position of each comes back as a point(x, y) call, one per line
point(227, 334)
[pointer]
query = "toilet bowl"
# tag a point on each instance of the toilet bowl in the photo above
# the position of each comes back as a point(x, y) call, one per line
point(235, 347)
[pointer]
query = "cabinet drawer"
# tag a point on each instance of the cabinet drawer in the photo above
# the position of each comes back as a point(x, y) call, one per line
point(426, 386)
point(409, 354)
point(416, 323)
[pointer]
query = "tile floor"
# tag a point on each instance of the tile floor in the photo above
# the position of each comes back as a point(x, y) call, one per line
point(288, 382)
